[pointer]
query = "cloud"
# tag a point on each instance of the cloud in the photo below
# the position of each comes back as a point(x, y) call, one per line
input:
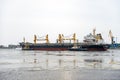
point(20, 18)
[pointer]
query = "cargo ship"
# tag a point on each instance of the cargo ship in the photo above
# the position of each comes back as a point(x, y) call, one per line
point(47, 46)
point(91, 42)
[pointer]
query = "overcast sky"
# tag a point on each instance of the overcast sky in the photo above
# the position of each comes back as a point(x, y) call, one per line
point(24, 18)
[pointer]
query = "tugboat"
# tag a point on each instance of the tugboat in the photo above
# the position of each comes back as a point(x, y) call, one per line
point(91, 42)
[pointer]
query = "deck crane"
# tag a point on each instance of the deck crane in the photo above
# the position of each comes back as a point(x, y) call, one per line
point(61, 38)
point(41, 39)
point(111, 37)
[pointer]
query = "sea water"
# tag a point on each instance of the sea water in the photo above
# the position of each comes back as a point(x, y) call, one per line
point(59, 65)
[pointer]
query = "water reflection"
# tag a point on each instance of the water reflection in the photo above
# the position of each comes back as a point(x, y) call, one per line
point(60, 60)
point(75, 63)
point(94, 63)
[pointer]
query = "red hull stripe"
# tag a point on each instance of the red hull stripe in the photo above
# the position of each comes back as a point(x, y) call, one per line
point(51, 49)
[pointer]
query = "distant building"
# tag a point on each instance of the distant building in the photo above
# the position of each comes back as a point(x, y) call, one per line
point(13, 46)
point(1, 46)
